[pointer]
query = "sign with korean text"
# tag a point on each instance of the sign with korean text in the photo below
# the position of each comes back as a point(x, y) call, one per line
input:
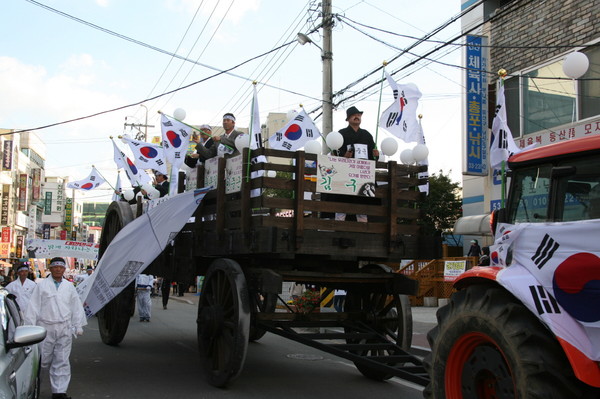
point(19, 247)
point(36, 183)
point(69, 214)
point(6, 235)
point(38, 248)
point(63, 235)
point(4, 249)
point(453, 269)
point(22, 204)
point(5, 203)
point(476, 107)
point(233, 173)
point(48, 203)
point(351, 176)
point(32, 221)
point(7, 155)
point(60, 197)
point(46, 232)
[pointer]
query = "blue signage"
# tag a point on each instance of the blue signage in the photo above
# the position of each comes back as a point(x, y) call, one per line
point(476, 107)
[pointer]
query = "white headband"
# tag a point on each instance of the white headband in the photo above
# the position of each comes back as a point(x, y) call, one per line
point(231, 118)
point(58, 263)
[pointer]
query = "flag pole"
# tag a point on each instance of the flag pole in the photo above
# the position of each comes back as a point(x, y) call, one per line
point(502, 73)
point(250, 130)
point(379, 105)
point(103, 178)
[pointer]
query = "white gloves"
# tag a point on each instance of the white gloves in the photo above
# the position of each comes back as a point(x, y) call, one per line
point(77, 331)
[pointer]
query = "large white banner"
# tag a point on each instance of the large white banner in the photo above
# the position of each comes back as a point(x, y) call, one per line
point(555, 272)
point(38, 248)
point(135, 247)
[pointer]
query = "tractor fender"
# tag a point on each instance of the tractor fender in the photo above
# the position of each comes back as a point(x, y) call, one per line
point(585, 369)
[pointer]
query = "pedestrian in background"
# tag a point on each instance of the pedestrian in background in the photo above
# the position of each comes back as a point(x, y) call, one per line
point(55, 305)
point(144, 285)
point(475, 249)
point(22, 287)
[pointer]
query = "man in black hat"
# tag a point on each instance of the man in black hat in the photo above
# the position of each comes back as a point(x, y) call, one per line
point(358, 143)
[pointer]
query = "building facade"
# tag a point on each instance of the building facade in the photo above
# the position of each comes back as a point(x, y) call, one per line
point(529, 39)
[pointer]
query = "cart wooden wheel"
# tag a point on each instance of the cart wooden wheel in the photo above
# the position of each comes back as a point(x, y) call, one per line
point(261, 303)
point(113, 318)
point(223, 322)
point(391, 317)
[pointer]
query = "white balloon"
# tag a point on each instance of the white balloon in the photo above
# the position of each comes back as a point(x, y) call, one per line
point(291, 114)
point(271, 173)
point(406, 157)
point(389, 146)
point(179, 114)
point(575, 65)
point(128, 195)
point(334, 140)
point(420, 152)
point(313, 147)
point(241, 142)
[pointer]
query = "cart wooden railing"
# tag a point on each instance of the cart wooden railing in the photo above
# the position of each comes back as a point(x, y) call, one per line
point(289, 213)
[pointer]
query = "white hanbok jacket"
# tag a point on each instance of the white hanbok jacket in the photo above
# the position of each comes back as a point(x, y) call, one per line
point(50, 305)
point(22, 291)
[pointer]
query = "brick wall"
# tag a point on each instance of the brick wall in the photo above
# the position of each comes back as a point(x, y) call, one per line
point(541, 23)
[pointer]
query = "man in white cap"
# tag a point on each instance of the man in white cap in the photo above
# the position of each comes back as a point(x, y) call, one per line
point(203, 139)
point(55, 306)
point(22, 287)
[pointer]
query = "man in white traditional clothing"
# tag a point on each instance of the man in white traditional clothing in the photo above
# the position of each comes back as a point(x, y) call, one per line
point(22, 287)
point(55, 306)
point(144, 285)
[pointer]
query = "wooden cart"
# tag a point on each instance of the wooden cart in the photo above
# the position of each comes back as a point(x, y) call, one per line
point(246, 246)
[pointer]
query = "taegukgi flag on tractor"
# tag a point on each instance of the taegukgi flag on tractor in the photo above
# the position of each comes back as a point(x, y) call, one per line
point(89, 183)
point(295, 134)
point(400, 118)
point(147, 155)
point(137, 177)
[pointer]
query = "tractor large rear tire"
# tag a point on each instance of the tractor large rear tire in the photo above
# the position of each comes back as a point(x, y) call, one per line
point(488, 345)
point(113, 318)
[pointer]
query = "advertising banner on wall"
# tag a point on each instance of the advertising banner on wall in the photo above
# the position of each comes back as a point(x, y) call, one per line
point(69, 214)
point(36, 183)
point(22, 205)
point(19, 247)
point(6, 236)
point(48, 203)
point(4, 249)
point(7, 155)
point(476, 120)
point(5, 203)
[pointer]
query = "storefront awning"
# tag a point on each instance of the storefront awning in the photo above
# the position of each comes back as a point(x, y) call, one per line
point(476, 225)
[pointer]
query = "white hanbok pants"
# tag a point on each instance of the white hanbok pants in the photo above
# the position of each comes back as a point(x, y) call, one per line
point(144, 303)
point(56, 349)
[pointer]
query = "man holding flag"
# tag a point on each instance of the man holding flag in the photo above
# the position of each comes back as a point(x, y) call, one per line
point(223, 144)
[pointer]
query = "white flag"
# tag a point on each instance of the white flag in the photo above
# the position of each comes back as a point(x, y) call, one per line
point(118, 188)
point(136, 176)
point(295, 134)
point(502, 145)
point(89, 183)
point(147, 155)
point(400, 118)
point(135, 247)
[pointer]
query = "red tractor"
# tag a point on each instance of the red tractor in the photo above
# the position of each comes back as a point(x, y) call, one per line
point(528, 326)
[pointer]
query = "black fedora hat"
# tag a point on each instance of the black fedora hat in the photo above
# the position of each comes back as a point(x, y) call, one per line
point(351, 111)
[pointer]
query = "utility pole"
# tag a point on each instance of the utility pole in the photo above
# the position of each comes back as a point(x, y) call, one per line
point(327, 58)
point(140, 136)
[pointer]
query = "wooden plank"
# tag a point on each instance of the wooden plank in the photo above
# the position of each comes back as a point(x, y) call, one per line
point(245, 210)
point(392, 208)
point(221, 196)
point(299, 199)
point(200, 176)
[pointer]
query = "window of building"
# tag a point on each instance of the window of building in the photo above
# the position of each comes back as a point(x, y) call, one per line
point(544, 103)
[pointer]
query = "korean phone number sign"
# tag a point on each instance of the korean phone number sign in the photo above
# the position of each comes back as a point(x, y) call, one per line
point(476, 107)
point(349, 176)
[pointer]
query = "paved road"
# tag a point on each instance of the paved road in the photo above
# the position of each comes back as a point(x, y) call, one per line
point(158, 360)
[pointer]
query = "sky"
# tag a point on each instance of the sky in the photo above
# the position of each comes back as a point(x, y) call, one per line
point(54, 69)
